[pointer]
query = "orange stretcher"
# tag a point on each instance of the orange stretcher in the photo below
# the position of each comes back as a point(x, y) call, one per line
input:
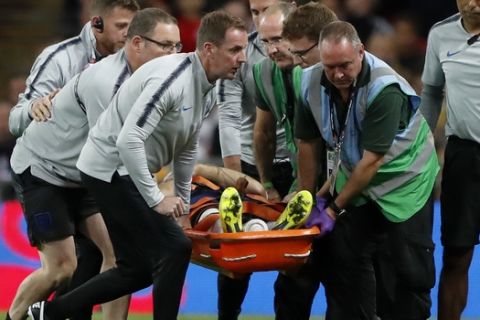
point(238, 253)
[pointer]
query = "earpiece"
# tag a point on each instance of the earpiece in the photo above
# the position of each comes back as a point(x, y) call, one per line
point(97, 23)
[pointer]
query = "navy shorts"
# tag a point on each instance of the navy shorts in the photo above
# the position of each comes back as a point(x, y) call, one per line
point(460, 194)
point(52, 213)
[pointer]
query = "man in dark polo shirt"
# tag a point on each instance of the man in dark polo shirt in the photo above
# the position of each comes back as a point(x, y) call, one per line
point(381, 167)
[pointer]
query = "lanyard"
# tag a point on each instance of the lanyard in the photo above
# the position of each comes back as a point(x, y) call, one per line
point(333, 159)
point(339, 140)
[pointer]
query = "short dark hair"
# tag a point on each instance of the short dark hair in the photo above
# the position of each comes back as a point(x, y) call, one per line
point(339, 30)
point(308, 21)
point(214, 25)
point(145, 21)
point(101, 7)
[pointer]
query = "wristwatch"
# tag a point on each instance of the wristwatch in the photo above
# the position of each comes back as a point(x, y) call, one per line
point(338, 212)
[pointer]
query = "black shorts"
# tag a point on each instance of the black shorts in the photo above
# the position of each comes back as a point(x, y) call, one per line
point(460, 193)
point(52, 212)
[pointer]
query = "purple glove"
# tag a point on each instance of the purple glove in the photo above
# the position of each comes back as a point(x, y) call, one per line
point(319, 217)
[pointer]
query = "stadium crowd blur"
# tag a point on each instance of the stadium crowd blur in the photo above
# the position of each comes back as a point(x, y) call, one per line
point(393, 30)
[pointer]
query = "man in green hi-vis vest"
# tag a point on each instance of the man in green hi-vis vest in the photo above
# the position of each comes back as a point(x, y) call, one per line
point(236, 118)
point(275, 77)
point(275, 98)
point(382, 167)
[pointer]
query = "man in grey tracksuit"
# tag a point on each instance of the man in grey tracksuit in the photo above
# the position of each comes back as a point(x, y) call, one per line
point(236, 115)
point(153, 120)
point(57, 64)
point(44, 161)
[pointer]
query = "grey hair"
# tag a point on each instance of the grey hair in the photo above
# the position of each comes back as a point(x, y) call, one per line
point(338, 31)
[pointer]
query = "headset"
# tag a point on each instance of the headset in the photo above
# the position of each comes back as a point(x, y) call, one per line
point(97, 23)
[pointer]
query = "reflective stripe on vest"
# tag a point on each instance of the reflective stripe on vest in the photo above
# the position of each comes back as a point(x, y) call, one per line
point(269, 81)
point(412, 154)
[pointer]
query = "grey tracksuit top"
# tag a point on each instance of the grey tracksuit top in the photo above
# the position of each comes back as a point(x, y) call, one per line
point(52, 69)
point(453, 63)
point(52, 148)
point(237, 109)
point(153, 120)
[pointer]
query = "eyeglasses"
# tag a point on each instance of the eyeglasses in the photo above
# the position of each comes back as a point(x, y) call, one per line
point(272, 42)
point(301, 53)
point(166, 46)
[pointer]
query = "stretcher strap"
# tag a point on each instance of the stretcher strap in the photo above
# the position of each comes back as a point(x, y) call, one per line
point(204, 182)
point(279, 206)
point(261, 210)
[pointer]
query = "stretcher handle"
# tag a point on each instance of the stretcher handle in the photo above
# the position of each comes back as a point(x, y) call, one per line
point(297, 255)
point(250, 256)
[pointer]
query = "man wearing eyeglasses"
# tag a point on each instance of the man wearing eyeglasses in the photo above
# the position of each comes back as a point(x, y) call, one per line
point(47, 152)
point(153, 120)
point(166, 46)
point(275, 102)
point(302, 30)
point(276, 80)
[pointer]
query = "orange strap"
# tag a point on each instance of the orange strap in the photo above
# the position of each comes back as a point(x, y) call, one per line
point(280, 206)
point(260, 210)
point(204, 182)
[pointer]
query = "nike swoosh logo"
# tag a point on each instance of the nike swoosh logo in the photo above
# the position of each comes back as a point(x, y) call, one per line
point(185, 108)
point(449, 54)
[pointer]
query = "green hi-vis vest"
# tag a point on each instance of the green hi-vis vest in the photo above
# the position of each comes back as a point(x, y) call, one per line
point(270, 85)
point(405, 180)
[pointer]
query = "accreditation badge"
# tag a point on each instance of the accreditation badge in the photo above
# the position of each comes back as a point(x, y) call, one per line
point(333, 165)
point(330, 162)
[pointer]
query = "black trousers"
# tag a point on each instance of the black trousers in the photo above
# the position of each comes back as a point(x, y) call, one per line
point(149, 247)
point(365, 257)
point(350, 282)
point(231, 292)
point(295, 290)
point(405, 269)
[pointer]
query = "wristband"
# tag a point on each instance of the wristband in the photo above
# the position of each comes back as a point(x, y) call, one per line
point(338, 212)
point(267, 185)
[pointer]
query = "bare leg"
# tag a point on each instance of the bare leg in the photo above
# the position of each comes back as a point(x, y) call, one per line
point(227, 178)
point(58, 262)
point(453, 289)
point(95, 229)
point(222, 176)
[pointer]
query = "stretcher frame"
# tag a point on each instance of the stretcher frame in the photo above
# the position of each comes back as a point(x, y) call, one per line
point(235, 254)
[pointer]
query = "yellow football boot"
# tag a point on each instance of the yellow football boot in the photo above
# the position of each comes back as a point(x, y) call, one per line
point(230, 208)
point(296, 212)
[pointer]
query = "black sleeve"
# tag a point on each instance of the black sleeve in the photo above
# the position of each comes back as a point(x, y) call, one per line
point(259, 101)
point(305, 126)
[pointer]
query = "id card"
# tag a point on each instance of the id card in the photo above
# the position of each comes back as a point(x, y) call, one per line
point(330, 162)
point(333, 165)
